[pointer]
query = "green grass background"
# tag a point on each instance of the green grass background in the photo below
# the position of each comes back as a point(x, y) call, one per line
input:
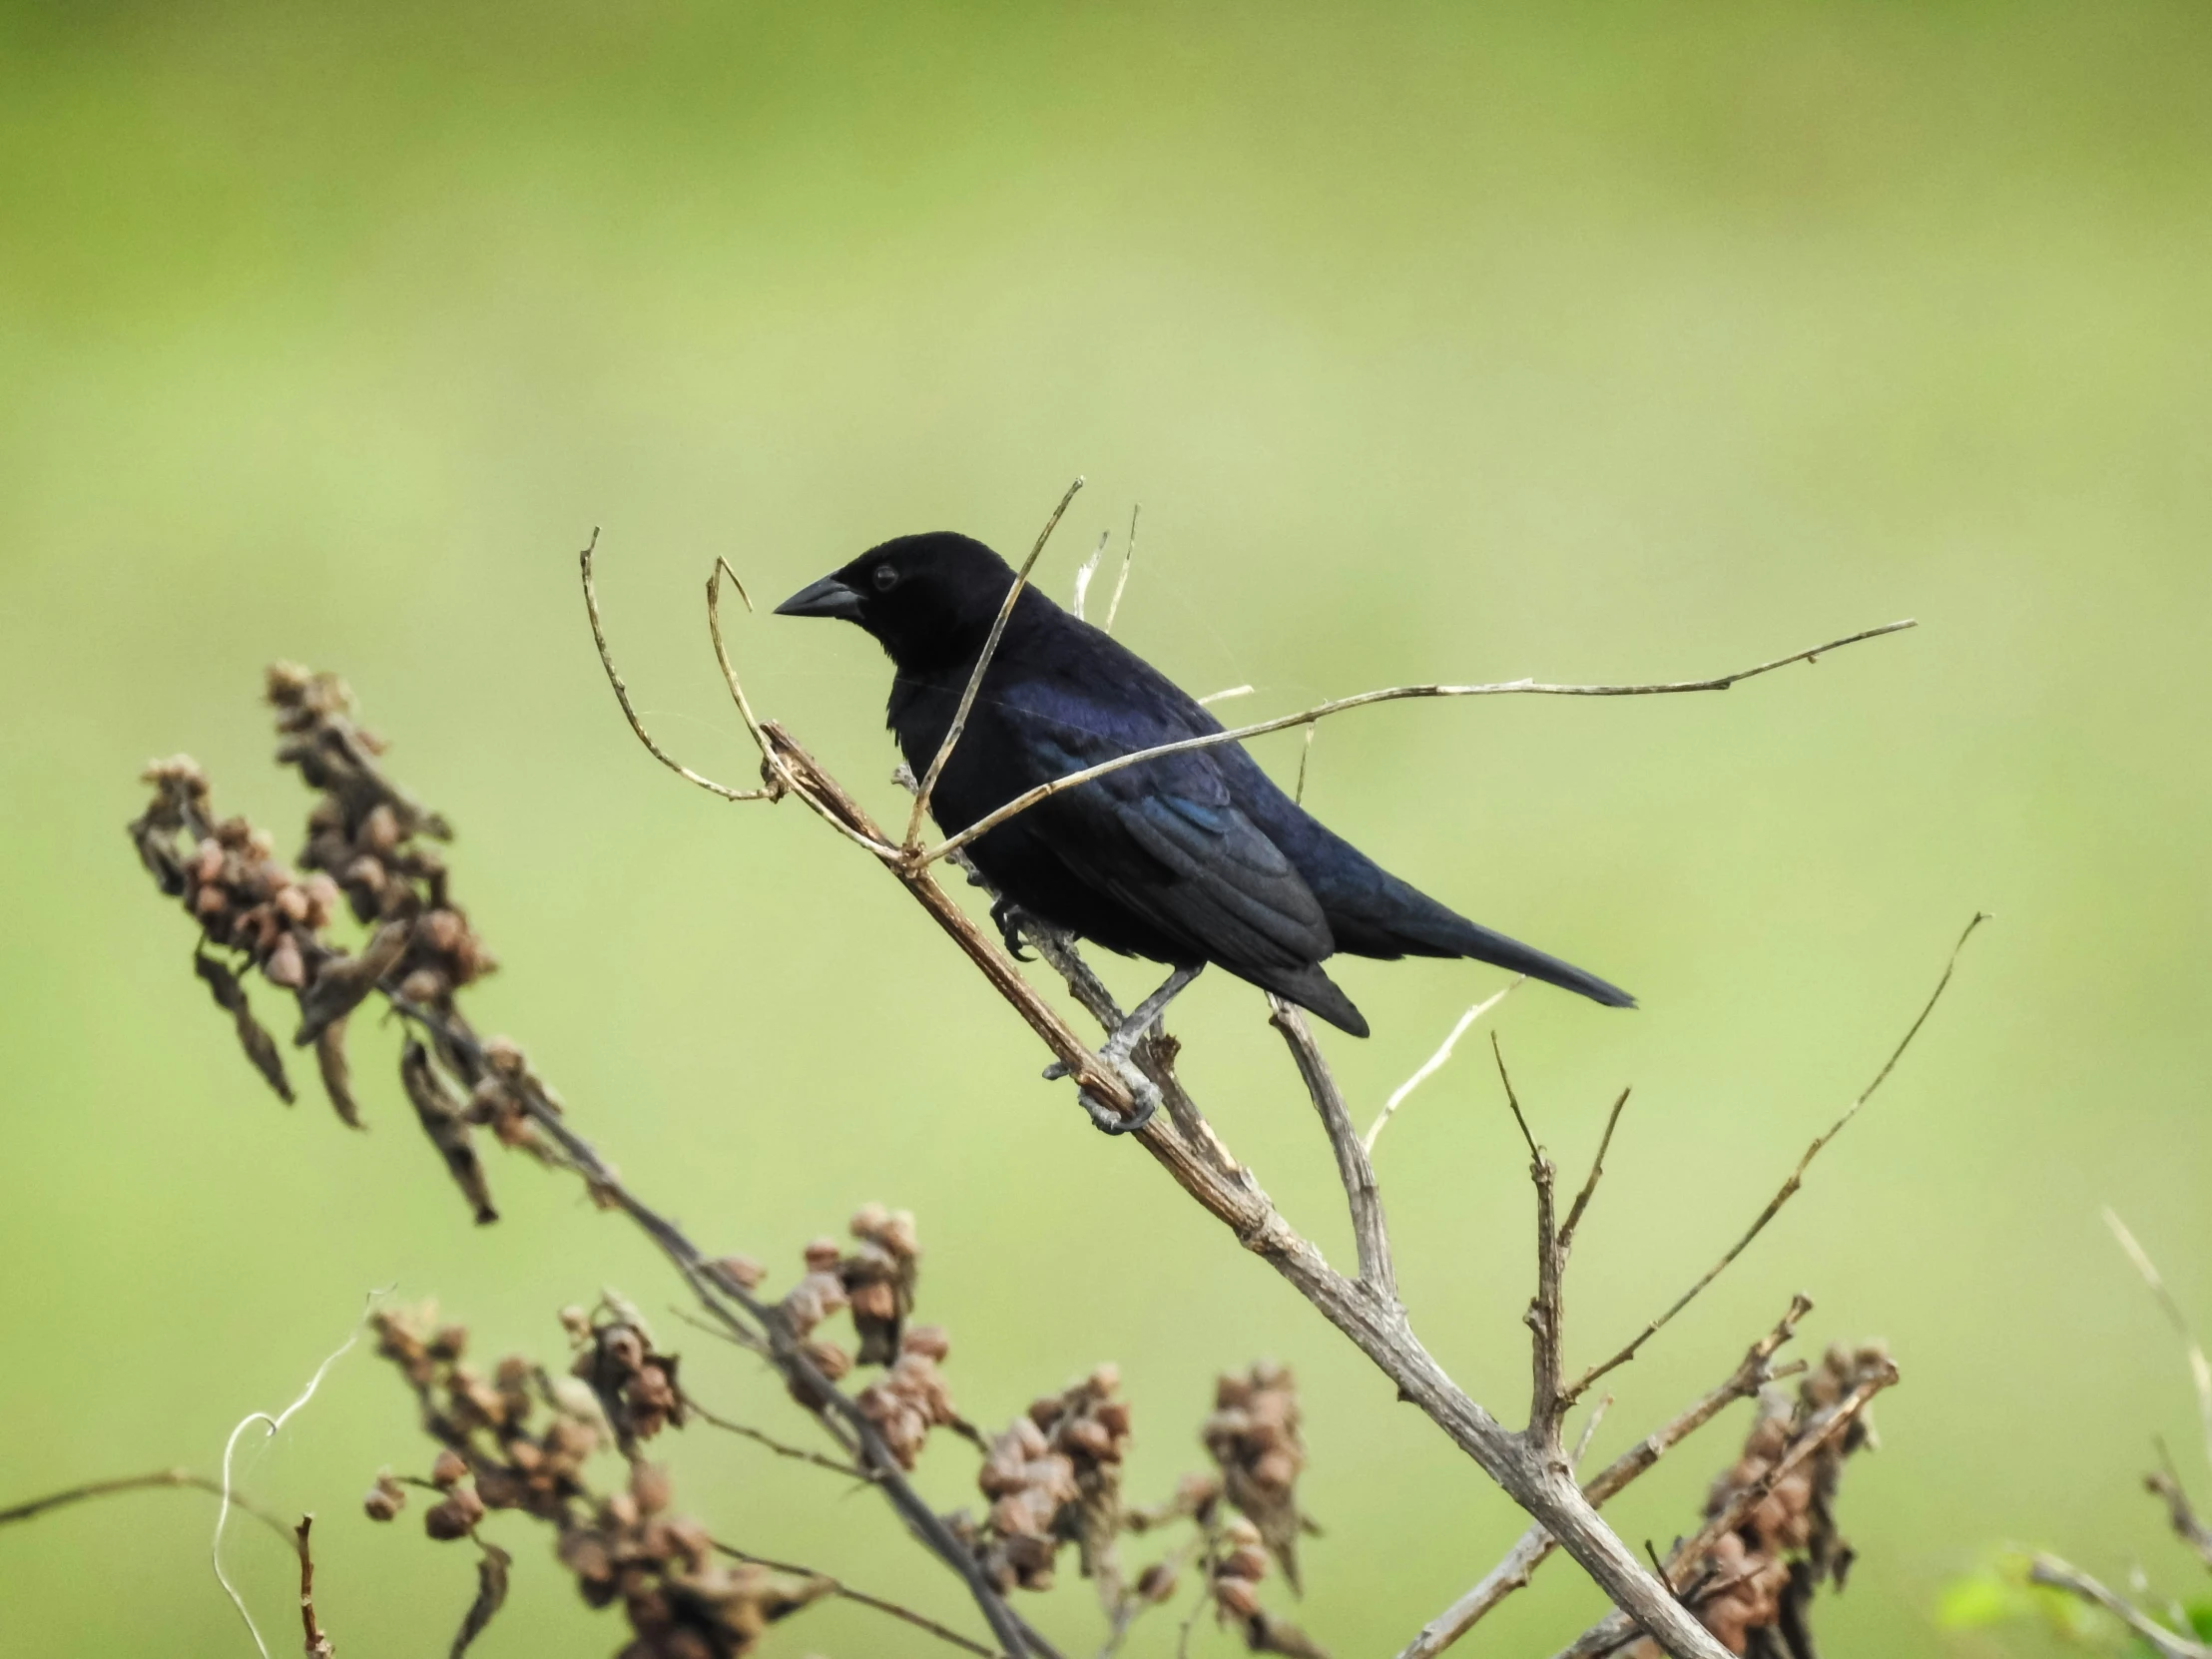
point(1590, 342)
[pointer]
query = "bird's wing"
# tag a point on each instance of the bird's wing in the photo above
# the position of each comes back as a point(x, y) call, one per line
point(1164, 838)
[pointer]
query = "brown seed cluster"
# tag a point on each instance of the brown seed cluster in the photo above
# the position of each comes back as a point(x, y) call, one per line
point(520, 1439)
point(636, 1387)
point(880, 1277)
point(1055, 1478)
point(874, 1282)
point(369, 837)
point(912, 1396)
point(682, 1600)
point(510, 1440)
point(1240, 1561)
point(365, 845)
point(1253, 1435)
point(1756, 1586)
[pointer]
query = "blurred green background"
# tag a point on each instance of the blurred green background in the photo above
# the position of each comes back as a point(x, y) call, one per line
point(1437, 342)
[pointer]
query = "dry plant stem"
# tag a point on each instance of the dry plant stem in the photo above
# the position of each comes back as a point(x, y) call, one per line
point(1589, 1185)
point(622, 696)
point(1753, 1372)
point(1546, 1311)
point(734, 1306)
point(1128, 558)
point(1617, 1629)
point(2200, 1370)
point(140, 1483)
point(1789, 1187)
point(1322, 711)
point(1371, 1236)
point(2166, 1485)
point(912, 840)
point(798, 1454)
point(2062, 1575)
point(860, 1598)
point(1536, 1479)
point(316, 1644)
point(1435, 1062)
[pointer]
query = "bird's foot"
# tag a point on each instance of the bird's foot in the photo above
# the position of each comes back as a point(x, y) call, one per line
point(1009, 915)
point(1115, 1052)
point(1103, 1117)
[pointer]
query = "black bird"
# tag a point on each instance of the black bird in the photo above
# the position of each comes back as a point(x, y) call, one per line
point(1187, 859)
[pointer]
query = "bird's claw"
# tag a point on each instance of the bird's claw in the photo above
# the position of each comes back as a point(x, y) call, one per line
point(1007, 915)
point(1107, 1122)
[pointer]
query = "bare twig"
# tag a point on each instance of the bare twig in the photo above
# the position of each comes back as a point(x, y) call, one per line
point(1085, 571)
point(178, 1478)
point(1589, 1185)
point(316, 1644)
point(1322, 711)
point(1435, 1062)
point(1128, 558)
point(1304, 754)
point(912, 842)
point(622, 695)
point(2165, 1483)
point(2200, 1372)
point(1371, 1235)
point(861, 1599)
point(2062, 1575)
point(1789, 1187)
point(1513, 1572)
point(800, 1455)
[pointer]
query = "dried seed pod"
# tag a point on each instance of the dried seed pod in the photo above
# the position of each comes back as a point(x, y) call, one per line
point(385, 1499)
point(1253, 1435)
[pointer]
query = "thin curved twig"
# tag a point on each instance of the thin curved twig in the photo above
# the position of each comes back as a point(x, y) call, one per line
point(178, 1478)
point(1789, 1188)
point(800, 1455)
point(2063, 1576)
point(2200, 1369)
point(912, 843)
point(1390, 694)
point(1434, 1063)
point(622, 693)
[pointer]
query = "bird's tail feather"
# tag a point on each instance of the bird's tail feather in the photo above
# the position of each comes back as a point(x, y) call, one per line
point(1475, 940)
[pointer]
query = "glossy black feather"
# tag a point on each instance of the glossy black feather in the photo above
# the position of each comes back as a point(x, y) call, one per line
point(1188, 858)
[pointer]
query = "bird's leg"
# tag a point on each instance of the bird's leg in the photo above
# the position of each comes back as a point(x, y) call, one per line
point(1124, 1039)
point(1145, 1016)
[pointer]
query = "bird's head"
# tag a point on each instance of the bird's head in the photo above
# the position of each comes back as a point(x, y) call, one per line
point(928, 598)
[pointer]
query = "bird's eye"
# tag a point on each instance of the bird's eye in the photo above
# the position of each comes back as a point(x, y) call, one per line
point(885, 578)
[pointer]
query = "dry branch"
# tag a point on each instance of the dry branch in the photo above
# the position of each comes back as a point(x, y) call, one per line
point(913, 839)
point(1531, 1468)
point(1756, 1370)
point(159, 1478)
point(1322, 711)
point(2062, 1575)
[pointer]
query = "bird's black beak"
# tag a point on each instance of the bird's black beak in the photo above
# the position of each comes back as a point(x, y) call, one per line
point(827, 597)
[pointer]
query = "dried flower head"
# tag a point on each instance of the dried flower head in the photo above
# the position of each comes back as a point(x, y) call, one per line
point(1252, 1437)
